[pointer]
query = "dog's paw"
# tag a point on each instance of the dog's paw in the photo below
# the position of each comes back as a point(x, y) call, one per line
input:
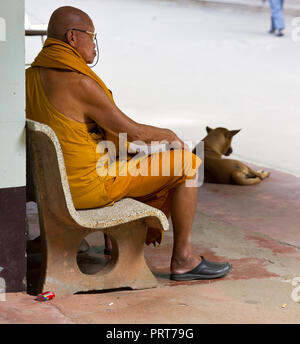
point(265, 175)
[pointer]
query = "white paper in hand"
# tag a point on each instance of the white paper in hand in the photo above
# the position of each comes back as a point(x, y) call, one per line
point(147, 149)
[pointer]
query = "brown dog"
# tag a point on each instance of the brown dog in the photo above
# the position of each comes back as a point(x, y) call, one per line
point(217, 142)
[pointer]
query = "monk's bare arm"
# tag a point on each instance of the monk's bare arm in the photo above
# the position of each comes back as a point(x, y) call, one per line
point(98, 106)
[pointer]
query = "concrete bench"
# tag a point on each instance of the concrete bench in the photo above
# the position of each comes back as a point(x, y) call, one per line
point(63, 227)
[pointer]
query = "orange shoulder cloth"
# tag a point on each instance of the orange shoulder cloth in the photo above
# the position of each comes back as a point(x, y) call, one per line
point(60, 55)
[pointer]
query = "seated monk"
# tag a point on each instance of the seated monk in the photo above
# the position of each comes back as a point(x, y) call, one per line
point(63, 92)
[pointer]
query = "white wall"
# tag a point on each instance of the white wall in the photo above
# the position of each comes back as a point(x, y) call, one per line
point(12, 94)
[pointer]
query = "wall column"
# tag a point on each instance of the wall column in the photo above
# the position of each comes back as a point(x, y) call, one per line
point(12, 146)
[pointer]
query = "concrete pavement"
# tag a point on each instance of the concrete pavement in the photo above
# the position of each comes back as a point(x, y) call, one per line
point(256, 228)
point(183, 66)
point(291, 7)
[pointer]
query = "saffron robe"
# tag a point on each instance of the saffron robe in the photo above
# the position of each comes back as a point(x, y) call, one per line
point(89, 186)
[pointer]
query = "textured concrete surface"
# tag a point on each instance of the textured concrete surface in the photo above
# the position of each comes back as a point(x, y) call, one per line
point(256, 228)
point(290, 6)
point(183, 66)
point(271, 207)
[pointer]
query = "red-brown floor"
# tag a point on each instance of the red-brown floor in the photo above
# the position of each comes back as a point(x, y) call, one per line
point(256, 228)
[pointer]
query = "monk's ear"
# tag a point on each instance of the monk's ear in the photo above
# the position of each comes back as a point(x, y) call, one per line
point(231, 133)
point(208, 130)
point(70, 37)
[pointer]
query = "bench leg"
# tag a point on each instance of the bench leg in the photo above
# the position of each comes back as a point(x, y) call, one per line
point(60, 242)
point(127, 268)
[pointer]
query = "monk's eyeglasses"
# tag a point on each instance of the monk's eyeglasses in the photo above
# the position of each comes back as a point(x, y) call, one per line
point(93, 35)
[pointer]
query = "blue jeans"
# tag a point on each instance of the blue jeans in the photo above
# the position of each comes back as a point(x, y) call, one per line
point(277, 20)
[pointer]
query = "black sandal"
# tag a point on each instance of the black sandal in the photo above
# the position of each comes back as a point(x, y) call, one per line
point(205, 270)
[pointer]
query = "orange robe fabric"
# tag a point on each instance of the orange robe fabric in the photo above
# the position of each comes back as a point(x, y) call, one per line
point(79, 142)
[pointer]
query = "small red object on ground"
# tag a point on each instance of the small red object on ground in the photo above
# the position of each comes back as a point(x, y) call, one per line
point(47, 295)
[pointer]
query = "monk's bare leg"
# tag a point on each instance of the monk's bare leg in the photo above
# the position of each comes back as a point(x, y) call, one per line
point(184, 202)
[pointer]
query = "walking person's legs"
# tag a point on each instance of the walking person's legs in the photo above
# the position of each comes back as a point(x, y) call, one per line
point(277, 19)
point(281, 23)
point(272, 29)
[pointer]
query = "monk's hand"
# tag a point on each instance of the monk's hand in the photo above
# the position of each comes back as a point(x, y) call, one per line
point(179, 144)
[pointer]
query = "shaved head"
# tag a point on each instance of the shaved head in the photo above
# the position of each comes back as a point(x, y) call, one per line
point(65, 18)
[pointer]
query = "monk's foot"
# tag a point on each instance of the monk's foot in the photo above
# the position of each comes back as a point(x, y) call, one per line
point(203, 270)
point(182, 264)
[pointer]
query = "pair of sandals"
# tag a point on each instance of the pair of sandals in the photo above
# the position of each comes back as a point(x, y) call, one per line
point(204, 270)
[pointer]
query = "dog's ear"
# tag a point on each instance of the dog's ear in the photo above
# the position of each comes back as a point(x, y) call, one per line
point(208, 130)
point(231, 133)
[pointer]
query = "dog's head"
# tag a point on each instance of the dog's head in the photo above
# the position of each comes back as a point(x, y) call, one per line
point(219, 139)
